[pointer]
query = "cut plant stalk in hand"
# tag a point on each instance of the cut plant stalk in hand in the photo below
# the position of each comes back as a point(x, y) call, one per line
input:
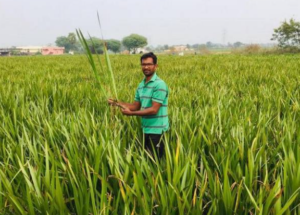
point(104, 72)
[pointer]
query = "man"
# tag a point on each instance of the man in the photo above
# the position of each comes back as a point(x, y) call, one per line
point(151, 103)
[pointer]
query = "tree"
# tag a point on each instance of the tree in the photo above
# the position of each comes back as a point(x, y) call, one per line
point(72, 39)
point(288, 34)
point(113, 45)
point(237, 44)
point(149, 48)
point(134, 41)
point(195, 46)
point(209, 45)
point(70, 42)
point(159, 48)
point(202, 47)
point(62, 42)
point(95, 45)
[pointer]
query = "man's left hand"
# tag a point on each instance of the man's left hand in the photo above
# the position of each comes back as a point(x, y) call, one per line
point(127, 112)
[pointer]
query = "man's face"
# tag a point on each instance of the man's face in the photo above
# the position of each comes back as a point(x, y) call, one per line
point(148, 66)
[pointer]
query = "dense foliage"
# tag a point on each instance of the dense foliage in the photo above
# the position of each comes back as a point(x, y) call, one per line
point(288, 34)
point(70, 42)
point(233, 147)
point(134, 41)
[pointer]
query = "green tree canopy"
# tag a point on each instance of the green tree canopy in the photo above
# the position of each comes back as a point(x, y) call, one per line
point(72, 39)
point(113, 45)
point(288, 34)
point(62, 42)
point(209, 45)
point(134, 41)
point(237, 44)
point(96, 45)
point(70, 42)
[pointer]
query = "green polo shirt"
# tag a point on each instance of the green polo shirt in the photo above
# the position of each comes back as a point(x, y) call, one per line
point(155, 90)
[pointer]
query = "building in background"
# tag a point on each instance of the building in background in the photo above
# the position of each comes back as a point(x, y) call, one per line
point(5, 51)
point(180, 48)
point(29, 50)
point(53, 50)
point(33, 50)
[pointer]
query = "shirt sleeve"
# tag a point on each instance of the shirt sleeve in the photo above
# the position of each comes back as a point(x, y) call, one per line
point(137, 96)
point(160, 93)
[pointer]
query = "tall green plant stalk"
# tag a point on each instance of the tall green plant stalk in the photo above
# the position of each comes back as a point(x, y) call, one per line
point(107, 60)
point(104, 71)
point(92, 61)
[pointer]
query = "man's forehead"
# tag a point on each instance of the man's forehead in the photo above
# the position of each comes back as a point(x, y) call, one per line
point(148, 59)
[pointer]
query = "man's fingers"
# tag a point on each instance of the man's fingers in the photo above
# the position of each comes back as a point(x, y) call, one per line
point(112, 101)
point(123, 107)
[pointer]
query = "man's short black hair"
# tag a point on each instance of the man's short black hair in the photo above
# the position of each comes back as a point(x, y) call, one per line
point(149, 55)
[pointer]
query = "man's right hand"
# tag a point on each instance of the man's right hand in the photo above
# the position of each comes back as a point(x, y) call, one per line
point(112, 102)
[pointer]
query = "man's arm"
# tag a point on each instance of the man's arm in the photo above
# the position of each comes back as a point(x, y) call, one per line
point(146, 112)
point(131, 106)
point(135, 106)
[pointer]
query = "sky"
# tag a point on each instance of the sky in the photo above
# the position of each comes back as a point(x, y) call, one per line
point(40, 22)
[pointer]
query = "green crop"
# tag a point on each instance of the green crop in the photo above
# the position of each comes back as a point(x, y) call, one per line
point(233, 146)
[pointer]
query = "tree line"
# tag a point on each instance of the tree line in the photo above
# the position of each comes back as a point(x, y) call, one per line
point(287, 35)
point(130, 43)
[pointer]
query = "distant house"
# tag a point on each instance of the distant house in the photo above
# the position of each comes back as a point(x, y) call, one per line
point(53, 50)
point(29, 50)
point(139, 51)
point(180, 48)
point(5, 51)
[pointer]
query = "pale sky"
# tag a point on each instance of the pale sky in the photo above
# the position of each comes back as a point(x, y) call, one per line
point(39, 22)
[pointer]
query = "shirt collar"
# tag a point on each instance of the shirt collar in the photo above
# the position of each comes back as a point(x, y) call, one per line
point(152, 79)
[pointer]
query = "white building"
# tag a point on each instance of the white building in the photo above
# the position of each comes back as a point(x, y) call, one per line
point(30, 49)
point(140, 50)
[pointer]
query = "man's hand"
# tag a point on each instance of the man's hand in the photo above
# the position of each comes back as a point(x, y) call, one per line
point(127, 111)
point(112, 102)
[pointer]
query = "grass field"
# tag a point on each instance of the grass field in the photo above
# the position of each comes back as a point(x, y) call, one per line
point(233, 146)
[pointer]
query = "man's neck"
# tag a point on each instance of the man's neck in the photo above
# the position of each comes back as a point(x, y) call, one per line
point(148, 78)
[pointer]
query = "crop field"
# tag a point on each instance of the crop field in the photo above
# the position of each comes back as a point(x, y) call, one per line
point(233, 146)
